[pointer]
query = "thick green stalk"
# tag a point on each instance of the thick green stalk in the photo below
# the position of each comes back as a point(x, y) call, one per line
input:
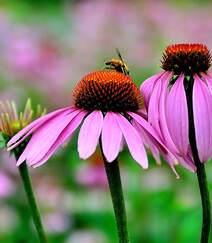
point(201, 175)
point(23, 170)
point(114, 181)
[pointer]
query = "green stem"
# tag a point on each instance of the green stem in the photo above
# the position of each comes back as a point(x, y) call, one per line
point(114, 181)
point(201, 175)
point(23, 170)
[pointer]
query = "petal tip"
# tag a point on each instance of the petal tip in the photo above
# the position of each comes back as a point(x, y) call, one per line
point(145, 167)
point(19, 163)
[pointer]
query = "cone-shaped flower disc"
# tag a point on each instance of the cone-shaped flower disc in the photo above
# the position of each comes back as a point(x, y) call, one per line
point(105, 103)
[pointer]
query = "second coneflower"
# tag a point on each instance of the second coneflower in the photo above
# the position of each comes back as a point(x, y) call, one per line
point(179, 103)
point(107, 103)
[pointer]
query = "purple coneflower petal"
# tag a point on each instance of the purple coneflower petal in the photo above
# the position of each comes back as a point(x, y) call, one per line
point(202, 109)
point(142, 113)
point(65, 134)
point(147, 87)
point(152, 140)
point(43, 138)
point(133, 140)
point(149, 130)
point(153, 114)
point(187, 162)
point(208, 79)
point(89, 134)
point(177, 115)
point(157, 114)
point(147, 141)
point(111, 137)
point(24, 133)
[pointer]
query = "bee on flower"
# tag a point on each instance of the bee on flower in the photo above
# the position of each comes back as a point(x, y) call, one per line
point(117, 64)
point(107, 106)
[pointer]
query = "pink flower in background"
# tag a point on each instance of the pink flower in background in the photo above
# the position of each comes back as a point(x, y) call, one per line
point(52, 197)
point(50, 192)
point(6, 186)
point(56, 222)
point(92, 174)
point(166, 100)
point(36, 59)
point(106, 103)
point(119, 23)
point(21, 53)
point(35, 56)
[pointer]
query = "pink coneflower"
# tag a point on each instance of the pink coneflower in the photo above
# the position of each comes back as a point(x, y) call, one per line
point(165, 98)
point(107, 103)
point(179, 103)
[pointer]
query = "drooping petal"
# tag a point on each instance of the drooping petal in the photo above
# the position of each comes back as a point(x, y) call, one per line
point(111, 137)
point(187, 162)
point(66, 134)
point(147, 87)
point(89, 134)
point(147, 141)
point(153, 112)
point(157, 114)
point(177, 115)
point(157, 147)
point(133, 140)
point(151, 140)
point(25, 132)
point(202, 109)
point(43, 138)
point(149, 130)
point(208, 79)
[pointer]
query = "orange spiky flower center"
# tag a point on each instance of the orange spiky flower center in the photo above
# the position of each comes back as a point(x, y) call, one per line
point(186, 58)
point(107, 90)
